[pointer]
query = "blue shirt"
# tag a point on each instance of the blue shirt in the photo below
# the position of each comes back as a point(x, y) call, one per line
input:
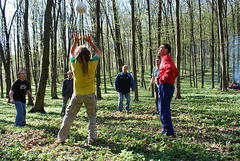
point(123, 83)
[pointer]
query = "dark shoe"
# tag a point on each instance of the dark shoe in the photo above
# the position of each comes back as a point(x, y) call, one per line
point(129, 112)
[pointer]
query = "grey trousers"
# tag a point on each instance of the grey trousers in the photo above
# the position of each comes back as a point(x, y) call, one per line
point(73, 108)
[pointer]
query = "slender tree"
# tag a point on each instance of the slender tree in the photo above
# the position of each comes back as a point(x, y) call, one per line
point(39, 103)
point(5, 54)
point(99, 95)
point(178, 50)
point(193, 46)
point(56, 14)
point(159, 22)
point(221, 38)
point(150, 38)
point(133, 53)
point(26, 50)
point(201, 46)
point(117, 33)
point(212, 44)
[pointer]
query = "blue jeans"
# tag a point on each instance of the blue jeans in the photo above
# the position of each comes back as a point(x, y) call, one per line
point(20, 119)
point(64, 105)
point(120, 101)
point(165, 93)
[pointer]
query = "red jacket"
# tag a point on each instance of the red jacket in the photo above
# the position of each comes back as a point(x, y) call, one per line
point(168, 70)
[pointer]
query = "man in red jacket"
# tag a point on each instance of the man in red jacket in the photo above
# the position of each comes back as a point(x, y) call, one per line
point(166, 80)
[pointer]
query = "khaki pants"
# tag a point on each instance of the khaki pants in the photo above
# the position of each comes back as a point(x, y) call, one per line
point(74, 106)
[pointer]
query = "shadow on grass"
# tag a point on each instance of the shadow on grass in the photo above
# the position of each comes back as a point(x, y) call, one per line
point(170, 149)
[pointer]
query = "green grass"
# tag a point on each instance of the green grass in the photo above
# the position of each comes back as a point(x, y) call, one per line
point(206, 122)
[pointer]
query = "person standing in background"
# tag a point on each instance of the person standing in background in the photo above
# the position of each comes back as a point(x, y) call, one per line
point(123, 82)
point(17, 95)
point(155, 74)
point(67, 91)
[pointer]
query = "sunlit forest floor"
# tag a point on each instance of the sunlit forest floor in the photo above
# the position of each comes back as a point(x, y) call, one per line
point(206, 123)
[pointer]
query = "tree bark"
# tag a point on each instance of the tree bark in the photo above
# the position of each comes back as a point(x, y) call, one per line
point(133, 53)
point(5, 55)
point(99, 95)
point(150, 39)
point(194, 58)
point(39, 103)
point(200, 36)
point(118, 40)
point(26, 51)
point(212, 45)
point(178, 50)
point(54, 53)
point(221, 38)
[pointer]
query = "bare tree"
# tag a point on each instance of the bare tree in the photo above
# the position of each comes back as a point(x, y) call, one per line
point(178, 50)
point(39, 103)
point(118, 38)
point(99, 95)
point(56, 14)
point(150, 39)
point(26, 51)
point(133, 53)
point(200, 36)
point(5, 55)
point(193, 46)
point(221, 38)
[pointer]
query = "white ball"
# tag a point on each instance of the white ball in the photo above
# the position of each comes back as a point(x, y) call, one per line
point(81, 7)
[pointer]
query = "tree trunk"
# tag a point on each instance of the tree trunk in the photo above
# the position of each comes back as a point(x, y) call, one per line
point(39, 104)
point(150, 39)
point(212, 45)
point(64, 40)
point(178, 51)
point(221, 38)
point(140, 42)
point(159, 23)
point(226, 41)
point(109, 59)
point(200, 36)
point(133, 53)
point(26, 51)
point(103, 58)
point(194, 58)
point(99, 96)
point(1, 77)
point(238, 33)
point(5, 55)
point(54, 53)
point(118, 40)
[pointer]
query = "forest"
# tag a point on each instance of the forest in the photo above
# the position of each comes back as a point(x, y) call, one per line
point(36, 36)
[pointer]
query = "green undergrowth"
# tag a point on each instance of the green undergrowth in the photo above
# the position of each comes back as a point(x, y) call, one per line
point(206, 123)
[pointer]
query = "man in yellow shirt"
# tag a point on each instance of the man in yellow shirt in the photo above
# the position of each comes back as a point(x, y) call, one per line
point(84, 88)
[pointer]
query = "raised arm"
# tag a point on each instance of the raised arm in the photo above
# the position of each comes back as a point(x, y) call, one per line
point(95, 48)
point(76, 39)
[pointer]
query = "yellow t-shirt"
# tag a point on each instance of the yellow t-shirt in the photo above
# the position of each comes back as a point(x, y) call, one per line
point(84, 85)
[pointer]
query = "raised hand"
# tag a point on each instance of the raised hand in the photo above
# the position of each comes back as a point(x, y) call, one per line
point(87, 38)
point(76, 37)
